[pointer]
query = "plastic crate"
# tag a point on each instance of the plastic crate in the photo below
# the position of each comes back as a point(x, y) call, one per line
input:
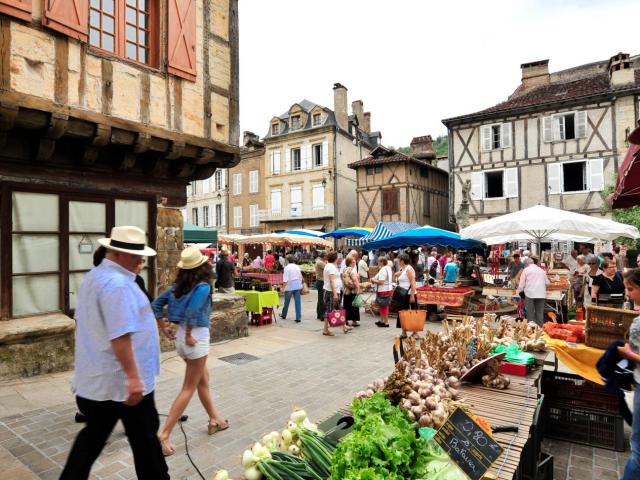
point(545, 467)
point(569, 389)
point(606, 325)
point(575, 424)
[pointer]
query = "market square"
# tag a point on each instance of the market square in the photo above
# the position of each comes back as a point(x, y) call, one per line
point(319, 240)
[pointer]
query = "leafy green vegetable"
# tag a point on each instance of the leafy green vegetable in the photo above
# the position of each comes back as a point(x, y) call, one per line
point(382, 446)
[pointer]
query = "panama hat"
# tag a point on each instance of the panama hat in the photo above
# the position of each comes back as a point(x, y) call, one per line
point(224, 251)
point(191, 258)
point(128, 240)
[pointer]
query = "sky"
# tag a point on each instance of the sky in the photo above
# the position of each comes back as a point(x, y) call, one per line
point(414, 62)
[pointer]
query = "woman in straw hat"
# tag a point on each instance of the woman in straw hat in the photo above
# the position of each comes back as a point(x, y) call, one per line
point(189, 304)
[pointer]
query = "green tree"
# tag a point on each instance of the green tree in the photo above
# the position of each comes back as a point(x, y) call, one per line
point(441, 146)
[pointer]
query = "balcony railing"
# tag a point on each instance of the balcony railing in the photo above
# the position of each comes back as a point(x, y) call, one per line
point(271, 215)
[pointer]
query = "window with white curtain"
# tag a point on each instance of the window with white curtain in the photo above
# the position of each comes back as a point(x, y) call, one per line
point(276, 201)
point(237, 183)
point(237, 216)
point(318, 196)
point(218, 180)
point(296, 201)
point(254, 218)
point(253, 181)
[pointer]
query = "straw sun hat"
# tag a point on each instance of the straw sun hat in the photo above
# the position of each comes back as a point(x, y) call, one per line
point(191, 258)
point(128, 240)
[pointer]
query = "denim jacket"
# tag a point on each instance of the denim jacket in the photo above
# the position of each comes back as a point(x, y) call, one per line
point(193, 308)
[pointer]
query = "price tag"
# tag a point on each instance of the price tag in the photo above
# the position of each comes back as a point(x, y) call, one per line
point(468, 445)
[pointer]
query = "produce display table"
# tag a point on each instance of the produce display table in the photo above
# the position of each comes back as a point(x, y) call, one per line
point(272, 278)
point(256, 301)
point(577, 357)
point(447, 296)
point(514, 406)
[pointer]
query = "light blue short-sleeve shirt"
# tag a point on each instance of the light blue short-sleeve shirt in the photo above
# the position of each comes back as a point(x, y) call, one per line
point(110, 304)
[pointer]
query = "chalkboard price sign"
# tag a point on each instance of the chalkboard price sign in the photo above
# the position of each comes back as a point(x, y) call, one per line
point(468, 444)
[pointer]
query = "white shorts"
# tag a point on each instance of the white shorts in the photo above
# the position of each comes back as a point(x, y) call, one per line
point(188, 352)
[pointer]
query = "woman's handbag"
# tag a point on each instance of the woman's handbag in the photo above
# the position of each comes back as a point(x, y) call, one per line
point(412, 320)
point(383, 300)
point(400, 294)
point(357, 302)
point(336, 318)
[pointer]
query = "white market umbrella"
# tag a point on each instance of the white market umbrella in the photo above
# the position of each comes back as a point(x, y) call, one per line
point(540, 222)
point(557, 237)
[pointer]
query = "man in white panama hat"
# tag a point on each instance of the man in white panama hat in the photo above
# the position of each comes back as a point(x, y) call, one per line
point(117, 359)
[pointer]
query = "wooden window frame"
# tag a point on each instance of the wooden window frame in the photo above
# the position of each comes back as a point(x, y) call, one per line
point(120, 41)
point(65, 196)
point(313, 119)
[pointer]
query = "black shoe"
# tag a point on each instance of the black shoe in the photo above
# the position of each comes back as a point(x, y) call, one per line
point(283, 318)
point(298, 321)
point(80, 418)
point(384, 325)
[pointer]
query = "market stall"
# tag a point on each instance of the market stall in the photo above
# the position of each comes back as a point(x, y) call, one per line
point(445, 411)
point(260, 303)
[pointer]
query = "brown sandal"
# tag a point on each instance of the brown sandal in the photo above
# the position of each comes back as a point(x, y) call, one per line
point(329, 334)
point(347, 329)
point(217, 427)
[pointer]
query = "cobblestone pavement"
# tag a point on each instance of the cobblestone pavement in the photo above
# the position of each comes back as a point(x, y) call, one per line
point(580, 462)
point(296, 366)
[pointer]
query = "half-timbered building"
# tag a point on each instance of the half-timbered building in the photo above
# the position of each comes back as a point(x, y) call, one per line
point(555, 141)
point(393, 186)
point(106, 106)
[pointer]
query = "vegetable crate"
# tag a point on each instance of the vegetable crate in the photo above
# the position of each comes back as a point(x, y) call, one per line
point(580, 411)
point(449, 297)
point(605, 325)
point(570, 389)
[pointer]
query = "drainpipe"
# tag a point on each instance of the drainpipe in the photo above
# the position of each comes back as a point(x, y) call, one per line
point(335, 178)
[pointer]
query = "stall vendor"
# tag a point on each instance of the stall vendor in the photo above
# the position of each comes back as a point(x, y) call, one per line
point(608, 283)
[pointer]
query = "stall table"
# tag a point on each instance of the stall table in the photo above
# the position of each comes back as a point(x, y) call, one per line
point(256, 301)
point(272, 278)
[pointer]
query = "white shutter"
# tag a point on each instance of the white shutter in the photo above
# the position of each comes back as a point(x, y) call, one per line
point(253, 181)
point(325, 153)
point(210, 215)
point(505, 140)
point(224, 178)
point(595, 174)
point(581, 124)
point(287, 160)
point(318, 196)
point(224, 214)
point(214, 219)
point(306, 157)
point(276, 162)
point(510, 182)
point(486, 137)
point(237, 216)
point(477, 185)
point(554, 178)
point(276, 201)
point(237, 184)
point(273, 163)
point(557, 125)
point(548, 129)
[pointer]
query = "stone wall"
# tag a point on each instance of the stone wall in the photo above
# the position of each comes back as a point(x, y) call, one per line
point(228, 317)
point(36, 345)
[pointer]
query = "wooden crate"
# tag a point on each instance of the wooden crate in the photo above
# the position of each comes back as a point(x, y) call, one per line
point(605, 325)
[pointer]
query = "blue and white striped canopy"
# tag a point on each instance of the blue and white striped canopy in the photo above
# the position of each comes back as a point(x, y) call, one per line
point(305, 232)
point(383, 230)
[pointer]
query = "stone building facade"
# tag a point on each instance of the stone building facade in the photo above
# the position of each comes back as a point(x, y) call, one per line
point(393, 186)
point(105, 109)
point(556, 141)
point(307, 149)
point(246, 193)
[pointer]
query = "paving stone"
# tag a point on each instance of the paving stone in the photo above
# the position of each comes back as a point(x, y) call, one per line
point(580, 462)
point(610, 463)
point(579, 473)
point(605, 474)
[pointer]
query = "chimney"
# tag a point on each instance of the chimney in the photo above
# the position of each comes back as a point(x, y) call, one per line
point(535, 74)
point(422, 148)
point(340, 105)
point(621, 73)
point(249, 137)
point(366, 125)
point(357, 107)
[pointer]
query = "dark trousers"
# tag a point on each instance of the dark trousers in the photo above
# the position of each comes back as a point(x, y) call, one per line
point(141, 425)
point(320, 310)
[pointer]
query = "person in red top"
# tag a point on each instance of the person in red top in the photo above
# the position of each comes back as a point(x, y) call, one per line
point(269, 260)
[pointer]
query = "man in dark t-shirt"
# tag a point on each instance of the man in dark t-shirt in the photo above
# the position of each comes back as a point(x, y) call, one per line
point(225, 271)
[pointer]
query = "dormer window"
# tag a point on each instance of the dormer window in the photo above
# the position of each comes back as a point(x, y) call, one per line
point(317, 119)
point(275, 129)
point(295, 122)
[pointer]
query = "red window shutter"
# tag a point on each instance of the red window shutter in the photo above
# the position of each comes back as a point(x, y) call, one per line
point(16, 8)
point(70, 17)
point(181, 53)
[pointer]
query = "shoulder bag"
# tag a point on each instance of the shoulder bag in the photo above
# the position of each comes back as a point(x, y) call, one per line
point(400, 293)
point(384, 300)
